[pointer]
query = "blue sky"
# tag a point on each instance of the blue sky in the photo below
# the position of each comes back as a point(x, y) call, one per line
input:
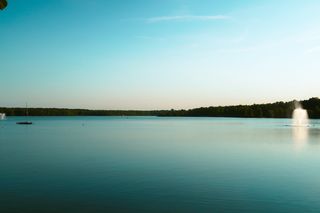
point(150, 54)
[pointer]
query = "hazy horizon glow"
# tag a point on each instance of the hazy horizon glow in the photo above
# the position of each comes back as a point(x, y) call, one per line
point(158, 54)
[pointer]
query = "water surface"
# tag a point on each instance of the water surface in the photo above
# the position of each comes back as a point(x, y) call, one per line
point(152, 164)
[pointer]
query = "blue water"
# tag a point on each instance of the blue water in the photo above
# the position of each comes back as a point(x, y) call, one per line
point(151, 164)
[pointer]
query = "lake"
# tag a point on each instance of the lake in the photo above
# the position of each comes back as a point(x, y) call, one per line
point(153, 164)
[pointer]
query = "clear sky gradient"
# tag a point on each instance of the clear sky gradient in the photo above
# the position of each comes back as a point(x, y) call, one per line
point(152, 54)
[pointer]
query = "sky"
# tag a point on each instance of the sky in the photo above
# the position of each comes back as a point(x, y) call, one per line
point(152, 54)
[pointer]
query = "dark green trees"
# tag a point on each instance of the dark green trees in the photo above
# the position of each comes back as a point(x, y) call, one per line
point(274, 110)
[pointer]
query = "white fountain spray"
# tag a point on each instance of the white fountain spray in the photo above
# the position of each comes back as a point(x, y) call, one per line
point(2, 116)
point(300, 116)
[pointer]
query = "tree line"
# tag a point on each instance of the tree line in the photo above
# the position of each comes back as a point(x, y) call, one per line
point(270, 110)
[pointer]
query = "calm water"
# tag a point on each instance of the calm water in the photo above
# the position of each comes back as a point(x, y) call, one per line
point(150, 164)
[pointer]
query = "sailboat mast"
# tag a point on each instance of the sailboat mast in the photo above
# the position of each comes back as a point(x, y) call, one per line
point(27, 113)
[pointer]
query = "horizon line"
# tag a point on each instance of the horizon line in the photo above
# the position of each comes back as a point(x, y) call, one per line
point(158, 109)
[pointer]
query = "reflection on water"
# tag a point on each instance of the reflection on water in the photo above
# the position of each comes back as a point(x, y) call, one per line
point(300, 136)
point(158, 165)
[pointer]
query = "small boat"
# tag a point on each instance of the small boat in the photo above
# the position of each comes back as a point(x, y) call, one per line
point(25, 122)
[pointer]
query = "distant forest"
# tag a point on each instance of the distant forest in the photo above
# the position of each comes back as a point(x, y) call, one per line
point(271, 110)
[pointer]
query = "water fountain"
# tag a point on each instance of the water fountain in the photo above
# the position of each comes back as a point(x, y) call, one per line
point(300, 116)
point(300, 123)
point(2, 116)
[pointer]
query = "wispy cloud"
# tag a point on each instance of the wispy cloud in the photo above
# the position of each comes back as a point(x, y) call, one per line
point(312, 50)
point(151, 38)
point(186, 18)
point(311, 35)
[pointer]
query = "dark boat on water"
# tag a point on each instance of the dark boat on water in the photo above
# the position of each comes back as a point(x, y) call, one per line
point(25, 122)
